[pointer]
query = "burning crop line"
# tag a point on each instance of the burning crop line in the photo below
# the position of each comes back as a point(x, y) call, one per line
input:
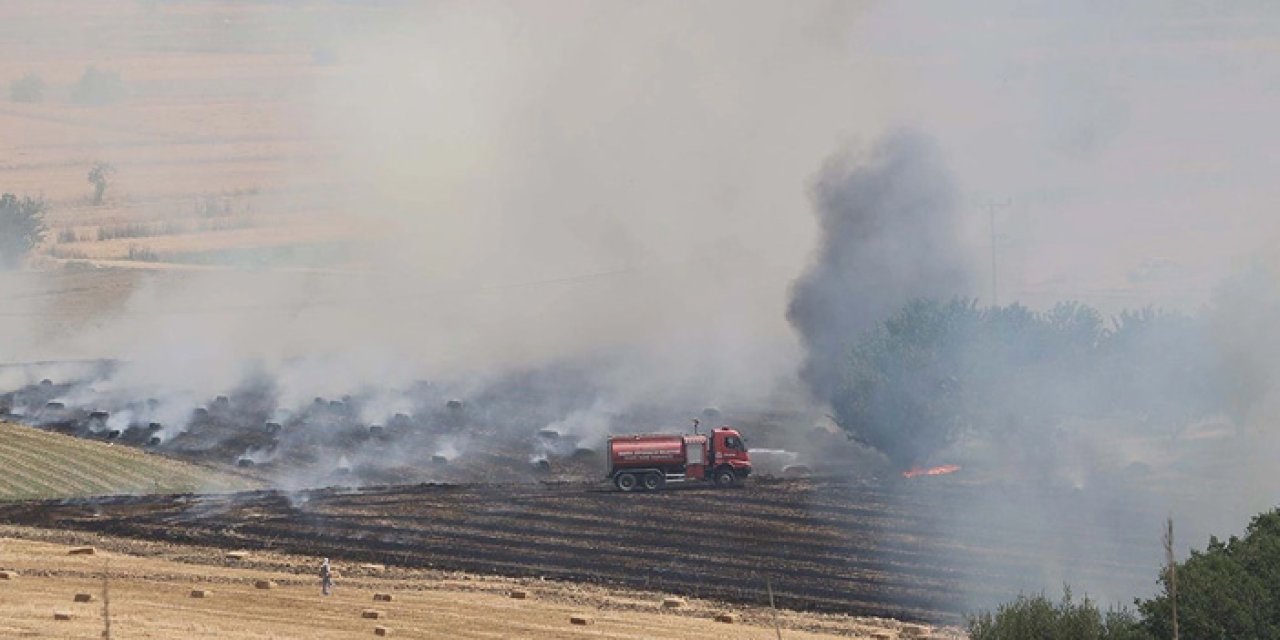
point(931, 471)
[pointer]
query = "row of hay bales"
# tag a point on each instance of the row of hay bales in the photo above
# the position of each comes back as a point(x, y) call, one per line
point(908, 631)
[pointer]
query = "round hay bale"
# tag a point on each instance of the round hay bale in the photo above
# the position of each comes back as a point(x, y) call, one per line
point(8, 575)
point(372, 614)
point(580, 620)
point(382, 597)
point(271, 427)
point(113, 434)
point(518, 594)
point(46, 383)
point(153, 441)
point(376, 430)
point(62, 615)
point(439, 460)
point(727, 618)
point(264, 584)
point(244, 463)
point(672, 603)
point(200, 593)
point(81, 551)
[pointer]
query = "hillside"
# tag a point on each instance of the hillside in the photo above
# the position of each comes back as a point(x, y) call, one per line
point(39, 464)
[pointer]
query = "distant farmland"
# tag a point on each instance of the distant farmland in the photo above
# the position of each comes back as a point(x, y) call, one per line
point(38, 464)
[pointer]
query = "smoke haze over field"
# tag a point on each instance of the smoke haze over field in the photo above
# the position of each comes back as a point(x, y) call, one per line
point(587, 216)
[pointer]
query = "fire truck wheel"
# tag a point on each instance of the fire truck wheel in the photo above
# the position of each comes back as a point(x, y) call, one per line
point(652, 481)
point(626, 482)
point(726, 478)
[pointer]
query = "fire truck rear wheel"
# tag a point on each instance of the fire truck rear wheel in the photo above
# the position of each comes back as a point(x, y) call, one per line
point(652, 481)
point(625, 482)
point(726, 478)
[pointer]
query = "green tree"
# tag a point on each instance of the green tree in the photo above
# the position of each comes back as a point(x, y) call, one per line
point(21, 228)
point(28, 88)
point(97, 87)
point(1229, 590)
point(100, 176)
point(938, 371)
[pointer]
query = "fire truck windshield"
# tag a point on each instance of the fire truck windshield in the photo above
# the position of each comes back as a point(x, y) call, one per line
point(734, 443)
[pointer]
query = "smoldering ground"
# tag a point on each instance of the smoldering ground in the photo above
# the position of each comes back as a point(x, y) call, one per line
point(585, 228)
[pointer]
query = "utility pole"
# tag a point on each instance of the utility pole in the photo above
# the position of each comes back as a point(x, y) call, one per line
point(1173, 572)
point(991, 212)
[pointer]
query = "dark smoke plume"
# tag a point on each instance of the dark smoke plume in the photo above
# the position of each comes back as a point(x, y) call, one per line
point(890, 233)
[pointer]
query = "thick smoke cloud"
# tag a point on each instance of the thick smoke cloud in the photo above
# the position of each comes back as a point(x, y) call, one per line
point(891, 232)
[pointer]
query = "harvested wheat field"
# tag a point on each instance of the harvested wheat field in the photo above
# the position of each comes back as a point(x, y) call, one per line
point(151, 595)
point(40, 464)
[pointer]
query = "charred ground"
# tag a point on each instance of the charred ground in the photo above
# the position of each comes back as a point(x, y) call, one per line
point(888, 549)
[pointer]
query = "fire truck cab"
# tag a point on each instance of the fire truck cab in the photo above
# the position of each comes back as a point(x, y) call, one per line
point(650, 461)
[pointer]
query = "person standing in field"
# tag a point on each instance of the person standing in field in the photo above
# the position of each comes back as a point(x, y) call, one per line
point(326, 578)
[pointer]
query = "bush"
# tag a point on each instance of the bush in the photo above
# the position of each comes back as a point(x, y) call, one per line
point(143, 254)
point(28, 88)
point(1038, 617)
point(97, 87)
point(21, 228)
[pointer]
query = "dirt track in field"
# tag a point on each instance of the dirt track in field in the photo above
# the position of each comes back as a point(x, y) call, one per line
point(893, 550)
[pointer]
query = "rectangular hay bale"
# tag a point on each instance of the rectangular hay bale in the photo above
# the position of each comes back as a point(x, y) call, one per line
point(381, 631)
point(579, 620)
point(61, 615)
point(382, 597)
point(237, 555)
point(518, 594)
point(81, 551)
point(915, 631)
point(372, 614)
point(8, 575)
point(264, 584)
point(672, 603)
point(83, 597)
point(200, 593)
point(727, 618)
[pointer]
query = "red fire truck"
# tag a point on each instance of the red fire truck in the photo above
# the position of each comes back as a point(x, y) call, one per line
point(650, 461)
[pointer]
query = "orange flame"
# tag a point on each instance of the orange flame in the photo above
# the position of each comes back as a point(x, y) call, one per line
point(932, 471)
